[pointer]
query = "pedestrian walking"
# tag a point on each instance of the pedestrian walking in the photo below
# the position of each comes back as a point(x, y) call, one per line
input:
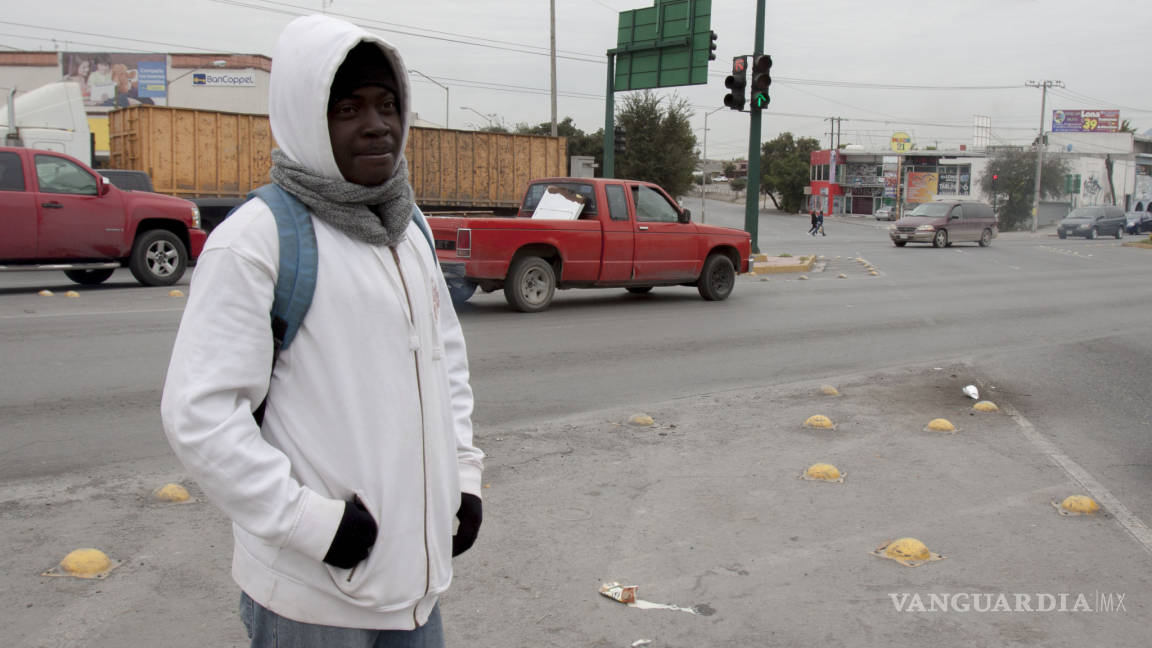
point(342, 499)
point(820, 224)
point(815, 223)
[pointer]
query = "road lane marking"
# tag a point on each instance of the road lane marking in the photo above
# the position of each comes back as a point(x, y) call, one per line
point(1132, 524)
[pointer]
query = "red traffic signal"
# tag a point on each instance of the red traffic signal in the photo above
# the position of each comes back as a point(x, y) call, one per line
point(737, 82)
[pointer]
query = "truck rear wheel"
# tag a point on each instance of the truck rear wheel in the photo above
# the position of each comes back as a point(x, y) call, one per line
point(717, 279)
point(88, 277)
point(159, 258)
point(531, 284)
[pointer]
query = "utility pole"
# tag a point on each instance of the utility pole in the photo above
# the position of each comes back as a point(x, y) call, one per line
point(1043, 85)
point(838, 120)
point(447, 95)
point(553, 57)
point(704, 164)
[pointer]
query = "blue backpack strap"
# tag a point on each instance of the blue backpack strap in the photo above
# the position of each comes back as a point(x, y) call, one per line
point(296, 276)
point(418, 218)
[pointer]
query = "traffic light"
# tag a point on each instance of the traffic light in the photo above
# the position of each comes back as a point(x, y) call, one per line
point(737, 82)
point(712, 47)
point(995, 177)
point(761, 80)
point(619, 139)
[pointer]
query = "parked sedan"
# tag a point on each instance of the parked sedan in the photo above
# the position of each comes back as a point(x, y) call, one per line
point(1138, 222)
point(885, 213)
point(1091, 222)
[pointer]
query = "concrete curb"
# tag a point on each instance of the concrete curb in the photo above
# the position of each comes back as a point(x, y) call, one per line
point(764, 264)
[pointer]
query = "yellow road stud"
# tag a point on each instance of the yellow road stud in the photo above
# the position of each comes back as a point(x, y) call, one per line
point(171, 493)
point(986, 406)
point(940, 425)
point(641, 420)
point(829, 390)
point(45, 293)
point(84, 563)
point(1077, 505)
point(72, 293)
point(906, 551)
point(819, 421)
point(823, 472)
point(175, 293)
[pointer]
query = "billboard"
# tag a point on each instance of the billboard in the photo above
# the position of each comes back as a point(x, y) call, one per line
point(922, 187)
point(114, 80)
point(1085, 121)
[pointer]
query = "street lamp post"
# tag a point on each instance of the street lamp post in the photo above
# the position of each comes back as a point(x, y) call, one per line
point(488, 118)
point(446, 94)
point(218, 63)
point(1043, 85)
point(704, 161)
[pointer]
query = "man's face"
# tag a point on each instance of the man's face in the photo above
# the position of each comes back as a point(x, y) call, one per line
point(365, 127)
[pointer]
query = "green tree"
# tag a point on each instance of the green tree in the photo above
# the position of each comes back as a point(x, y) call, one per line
point(660, 146)
point(738, 184)
point(729, 169)
point(579, 142)
point(494, 128)
point(1015, 184)
point(785, 163)
point(1127, 127)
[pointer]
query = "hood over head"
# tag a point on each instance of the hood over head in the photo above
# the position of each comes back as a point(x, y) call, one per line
point(307, 56)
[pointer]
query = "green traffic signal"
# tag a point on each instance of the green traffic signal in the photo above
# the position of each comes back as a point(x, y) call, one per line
point(761, 80)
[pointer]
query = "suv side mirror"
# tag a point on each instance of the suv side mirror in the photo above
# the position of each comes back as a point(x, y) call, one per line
point(685, 216)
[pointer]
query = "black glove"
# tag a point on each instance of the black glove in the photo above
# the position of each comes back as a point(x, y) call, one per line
point(354, 538)
point(471, 513)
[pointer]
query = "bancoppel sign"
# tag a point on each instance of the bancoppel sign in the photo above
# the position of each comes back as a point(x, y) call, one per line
point(224, 79)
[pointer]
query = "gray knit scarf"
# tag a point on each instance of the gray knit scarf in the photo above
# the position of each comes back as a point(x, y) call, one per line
point(376, 215)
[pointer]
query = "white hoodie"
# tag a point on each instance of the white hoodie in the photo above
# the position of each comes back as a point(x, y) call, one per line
point(371, 399)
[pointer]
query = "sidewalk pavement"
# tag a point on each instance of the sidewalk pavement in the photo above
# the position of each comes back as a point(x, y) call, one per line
point(703, 510)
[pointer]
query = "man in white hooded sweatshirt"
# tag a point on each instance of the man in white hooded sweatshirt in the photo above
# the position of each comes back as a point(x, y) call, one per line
point(343, 498)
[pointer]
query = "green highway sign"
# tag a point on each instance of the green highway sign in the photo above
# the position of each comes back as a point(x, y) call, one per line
point(666, 45)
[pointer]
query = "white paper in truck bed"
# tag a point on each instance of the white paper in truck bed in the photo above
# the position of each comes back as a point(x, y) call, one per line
point(558, 203)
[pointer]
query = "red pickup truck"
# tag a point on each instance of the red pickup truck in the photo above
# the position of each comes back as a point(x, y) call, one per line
point(626, 234)
point(56, 213)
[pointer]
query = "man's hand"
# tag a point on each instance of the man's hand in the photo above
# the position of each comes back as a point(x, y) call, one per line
point(354, 538)
point(471, 513)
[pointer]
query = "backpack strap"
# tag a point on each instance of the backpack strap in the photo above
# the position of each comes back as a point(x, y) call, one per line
point(418, 217)
point(296, 276)
point(296, 273)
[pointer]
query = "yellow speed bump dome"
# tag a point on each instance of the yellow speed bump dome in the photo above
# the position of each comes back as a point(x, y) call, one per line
point(986, 406)
point(906, 551)
point(171, 493)
point(829, 390)
point(940, 425)
point(642, 420)
point(841, 276)
point(823, 472)
point(803, 278)
point(45, 293)
point(175, 293)
point(84, 563)
point(819, 421)
point(72, 293)
point(1077, 505)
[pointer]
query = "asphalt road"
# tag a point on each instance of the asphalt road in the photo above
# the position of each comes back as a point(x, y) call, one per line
point(1055, 330)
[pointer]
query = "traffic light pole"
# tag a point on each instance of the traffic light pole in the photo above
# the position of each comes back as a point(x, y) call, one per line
point(752, 200)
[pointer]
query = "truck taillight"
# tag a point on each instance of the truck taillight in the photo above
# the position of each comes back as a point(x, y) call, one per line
point(463, 242)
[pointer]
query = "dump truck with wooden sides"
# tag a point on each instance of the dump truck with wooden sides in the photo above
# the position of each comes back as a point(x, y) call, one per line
point(215, 158)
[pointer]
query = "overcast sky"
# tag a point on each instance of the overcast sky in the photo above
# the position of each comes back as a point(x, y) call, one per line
point(829, 57)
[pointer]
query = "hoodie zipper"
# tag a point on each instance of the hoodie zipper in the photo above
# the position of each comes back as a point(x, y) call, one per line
point(423, 444)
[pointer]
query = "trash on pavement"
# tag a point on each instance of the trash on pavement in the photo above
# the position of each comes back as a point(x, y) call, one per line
point(627, 594)
point(618, 592)
point(972, 392)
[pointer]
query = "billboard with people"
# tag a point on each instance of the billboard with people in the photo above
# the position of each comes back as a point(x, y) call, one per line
point(115, 80)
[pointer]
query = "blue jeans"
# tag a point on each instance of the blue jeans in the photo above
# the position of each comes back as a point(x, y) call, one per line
point(267, 629)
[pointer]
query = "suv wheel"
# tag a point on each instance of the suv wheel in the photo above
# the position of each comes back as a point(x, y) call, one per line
point(1092, 234)
point(941, 239)
point(986, 238)
point(1120, 232)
